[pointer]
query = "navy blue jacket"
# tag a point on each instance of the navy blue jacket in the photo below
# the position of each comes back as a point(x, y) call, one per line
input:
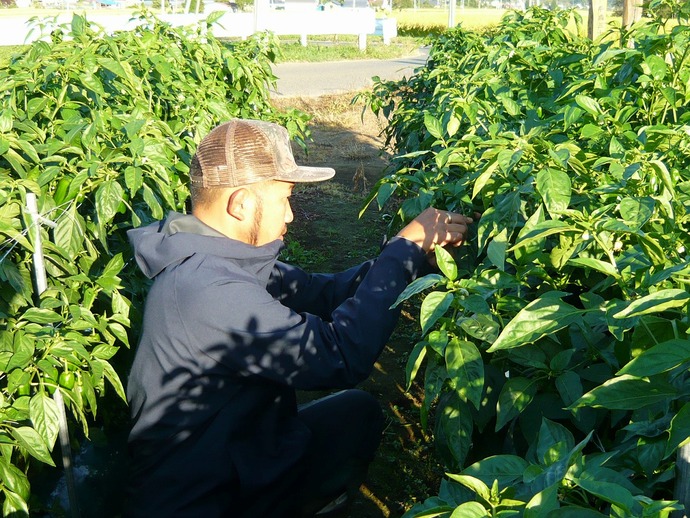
point(229, 334)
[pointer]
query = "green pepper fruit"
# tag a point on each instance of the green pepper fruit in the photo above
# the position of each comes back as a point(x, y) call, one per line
point(66, 380)
point(24, 389)
point(61, 190)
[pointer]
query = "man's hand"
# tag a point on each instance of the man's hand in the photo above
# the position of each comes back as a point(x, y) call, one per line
point(436, 227)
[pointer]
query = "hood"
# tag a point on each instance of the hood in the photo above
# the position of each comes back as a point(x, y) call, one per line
point(180, 236)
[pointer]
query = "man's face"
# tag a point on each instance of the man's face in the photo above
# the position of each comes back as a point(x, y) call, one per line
point(272, 213)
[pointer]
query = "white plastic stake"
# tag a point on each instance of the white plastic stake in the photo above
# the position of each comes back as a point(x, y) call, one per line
point(41, 285)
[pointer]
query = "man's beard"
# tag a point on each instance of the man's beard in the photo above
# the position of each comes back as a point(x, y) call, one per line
point(258, 216)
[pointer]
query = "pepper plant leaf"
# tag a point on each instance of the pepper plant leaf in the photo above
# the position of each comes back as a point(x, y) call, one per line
point(544, 316)
point(626, 393)
point(656, 302)
point(466, 370)
point(659, 358)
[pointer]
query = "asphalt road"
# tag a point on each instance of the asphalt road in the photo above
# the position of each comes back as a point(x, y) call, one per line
point(333, 77)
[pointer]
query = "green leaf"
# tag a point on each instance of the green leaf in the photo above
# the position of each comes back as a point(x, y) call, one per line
point(433, 126)
point(554, 442)
point(542, 230)
point(14, 505)
point(657, 66)
point(417, 286)
point(385, 191)
point(590, 131)
point(515, 395)
point(23, 352)
point(607, 491)
point(541, 504)
point(41, 316)
point(679, 431)
point(595, 264)
point(133, 179)
point(659, 358)
point(510, 105)
point(44, 415)
point(466, 370)
point(484, 178)
point(544, 316)
point(573, 511)
point(446, 263)
point(555, 189)
point(32, 442)
point(414, 362)
point(474, 484)
point(626, 393)
point(588, 104)
point(434, 306)
point(108, 198)
point(496, 251)
point(480, 326)
point(656, 302)
point(652, 248)
point(469, 510)
point(15, 479)
point(569, 386)
point(636, 211)
point(69, 232)
point(113, 378)
point(507, 469)
point(453, 431)
point(438, 340)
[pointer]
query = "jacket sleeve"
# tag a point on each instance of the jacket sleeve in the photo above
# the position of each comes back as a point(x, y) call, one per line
point(258, 336)
point(318, 294)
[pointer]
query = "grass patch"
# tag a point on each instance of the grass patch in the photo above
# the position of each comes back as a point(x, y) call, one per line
point(343, 47)
point(7, 51)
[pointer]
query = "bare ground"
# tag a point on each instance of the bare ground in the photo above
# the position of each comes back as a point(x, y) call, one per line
point(329, 235)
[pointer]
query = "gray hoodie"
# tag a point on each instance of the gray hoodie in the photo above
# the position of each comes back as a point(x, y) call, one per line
point(229, 334)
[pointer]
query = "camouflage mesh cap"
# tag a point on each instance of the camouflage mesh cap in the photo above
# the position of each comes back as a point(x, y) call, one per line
point(242, 152)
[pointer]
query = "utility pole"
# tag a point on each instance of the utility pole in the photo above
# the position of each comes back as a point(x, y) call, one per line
point(451, 13)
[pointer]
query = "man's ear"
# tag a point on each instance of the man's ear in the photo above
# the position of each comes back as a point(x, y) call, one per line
point(239, 204)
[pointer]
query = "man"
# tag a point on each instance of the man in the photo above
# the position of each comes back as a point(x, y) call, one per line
point(230, 333)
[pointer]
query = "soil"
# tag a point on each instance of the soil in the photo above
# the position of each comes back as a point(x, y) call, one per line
point(329, 235)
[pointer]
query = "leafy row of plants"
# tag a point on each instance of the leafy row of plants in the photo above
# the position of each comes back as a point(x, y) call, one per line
point(101, 130)
point(554, 345)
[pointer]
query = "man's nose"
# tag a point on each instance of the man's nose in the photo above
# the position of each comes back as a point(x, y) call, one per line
point(289, 216)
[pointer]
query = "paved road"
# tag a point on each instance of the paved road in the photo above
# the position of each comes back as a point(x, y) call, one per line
point(314, 79)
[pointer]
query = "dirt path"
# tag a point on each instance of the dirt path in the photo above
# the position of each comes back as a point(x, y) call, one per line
point(328, 235)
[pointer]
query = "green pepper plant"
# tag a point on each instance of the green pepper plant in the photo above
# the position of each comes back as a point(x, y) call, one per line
point(100, 128)
point(554, 345)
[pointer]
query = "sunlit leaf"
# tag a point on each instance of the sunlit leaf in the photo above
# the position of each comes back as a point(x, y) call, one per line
point(555, 189)
point(626, 393)
point(659, 358)
point(655, 303)
point(466, 370)
point(33, 443)
point(417, 286)
point(546, 315)
point(446, 263)
point(434, 306)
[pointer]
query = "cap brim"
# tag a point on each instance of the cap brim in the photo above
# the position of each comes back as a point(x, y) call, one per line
point(308, 174)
